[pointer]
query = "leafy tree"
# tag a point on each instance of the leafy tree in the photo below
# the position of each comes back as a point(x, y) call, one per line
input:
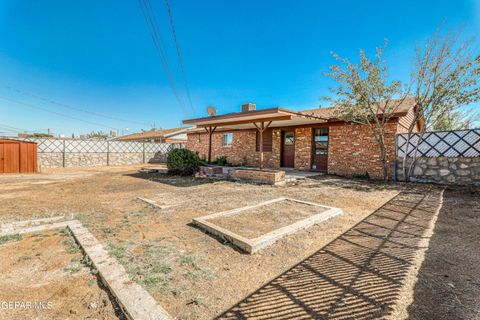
point(445, 77)
point(100, 135)
point(454, 120)
point(39, 135)
point(365, 96)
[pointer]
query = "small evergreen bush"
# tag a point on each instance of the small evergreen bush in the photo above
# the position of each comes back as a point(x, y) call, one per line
point(221, 161)
point(183, 162)
point(364, 176)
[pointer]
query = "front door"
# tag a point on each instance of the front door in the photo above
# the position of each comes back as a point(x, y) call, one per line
point(320, 150)
point(288, 149)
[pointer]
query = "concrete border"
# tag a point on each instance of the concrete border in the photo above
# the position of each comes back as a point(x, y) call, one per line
point(136, 302)
point(253, 245)
point(11, 226)
point(153, 203)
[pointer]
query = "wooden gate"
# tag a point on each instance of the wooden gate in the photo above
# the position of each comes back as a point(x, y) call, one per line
point(18, 156)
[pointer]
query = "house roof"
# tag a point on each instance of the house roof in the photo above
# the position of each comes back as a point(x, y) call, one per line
point(280, 117)
point(154, 134)
point(245, 120)
point(329, 113)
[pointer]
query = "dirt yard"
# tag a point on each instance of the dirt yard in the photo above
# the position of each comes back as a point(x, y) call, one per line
point(43, 273)
point(255, 222)
point(190, 273)
point(448, 285)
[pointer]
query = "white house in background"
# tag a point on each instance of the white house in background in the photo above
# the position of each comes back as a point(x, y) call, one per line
point(173, 135)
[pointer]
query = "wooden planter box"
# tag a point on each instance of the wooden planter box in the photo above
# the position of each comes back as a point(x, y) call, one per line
point(272, 177)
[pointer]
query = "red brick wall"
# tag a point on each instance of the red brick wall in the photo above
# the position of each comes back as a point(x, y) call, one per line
point(242, 151)
point(353, 149)
point(303, 148)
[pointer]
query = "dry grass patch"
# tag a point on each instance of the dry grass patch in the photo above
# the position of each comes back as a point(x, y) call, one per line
point(50, 269)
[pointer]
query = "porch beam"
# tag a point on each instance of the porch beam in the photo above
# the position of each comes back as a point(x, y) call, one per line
point(261, 128)
point(239, 122)
point(210, 130)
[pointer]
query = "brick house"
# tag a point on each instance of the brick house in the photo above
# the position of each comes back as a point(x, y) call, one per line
point(312, 140)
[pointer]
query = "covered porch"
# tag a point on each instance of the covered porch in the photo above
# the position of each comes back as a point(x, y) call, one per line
point(275, 129)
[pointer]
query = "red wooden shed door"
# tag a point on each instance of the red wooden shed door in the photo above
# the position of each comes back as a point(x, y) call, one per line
point(288, 149)
point(10, 156)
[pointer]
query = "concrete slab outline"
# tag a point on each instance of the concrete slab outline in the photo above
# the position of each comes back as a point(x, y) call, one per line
point(153, 203)
point(11, 226)
point(255, 244)
point(136, 302)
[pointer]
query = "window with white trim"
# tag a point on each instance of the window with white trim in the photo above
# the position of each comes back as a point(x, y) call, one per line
point(227, 139)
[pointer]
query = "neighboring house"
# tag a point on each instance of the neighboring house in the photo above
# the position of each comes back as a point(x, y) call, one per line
point(305, 140)
point(174, 135)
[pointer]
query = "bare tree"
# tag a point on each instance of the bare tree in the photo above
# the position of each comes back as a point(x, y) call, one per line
point(365, 96)
point(445, 77)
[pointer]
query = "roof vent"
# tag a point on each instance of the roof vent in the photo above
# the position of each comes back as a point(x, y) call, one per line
point(248, 107)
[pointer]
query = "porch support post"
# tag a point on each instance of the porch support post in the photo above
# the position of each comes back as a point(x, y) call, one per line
point(210, 132)
point(261, 129)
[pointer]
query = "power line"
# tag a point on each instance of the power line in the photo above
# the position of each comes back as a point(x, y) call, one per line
point(51, 101)
point(149, 17)
point(149, 14)
point(179, 56)
point(57, 113)
point(11, 127)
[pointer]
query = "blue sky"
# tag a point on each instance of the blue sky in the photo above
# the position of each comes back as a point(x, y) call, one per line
point(98, 55)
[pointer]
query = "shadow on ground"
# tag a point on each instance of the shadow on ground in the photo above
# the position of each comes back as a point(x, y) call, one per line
point(359, 275)
point(448, 285)
point(173, 180)
point(349, 183)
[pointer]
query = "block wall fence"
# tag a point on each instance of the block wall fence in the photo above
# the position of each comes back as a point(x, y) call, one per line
point(445, 157)
point(57, 153)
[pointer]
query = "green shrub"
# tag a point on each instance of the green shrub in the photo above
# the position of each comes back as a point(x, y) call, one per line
point(182, 162)
point(221, 161)
point(364, 176)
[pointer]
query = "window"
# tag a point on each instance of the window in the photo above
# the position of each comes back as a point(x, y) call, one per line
point(289, 138)
point(227, 139)
point(321, 141)
point(267, 140)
